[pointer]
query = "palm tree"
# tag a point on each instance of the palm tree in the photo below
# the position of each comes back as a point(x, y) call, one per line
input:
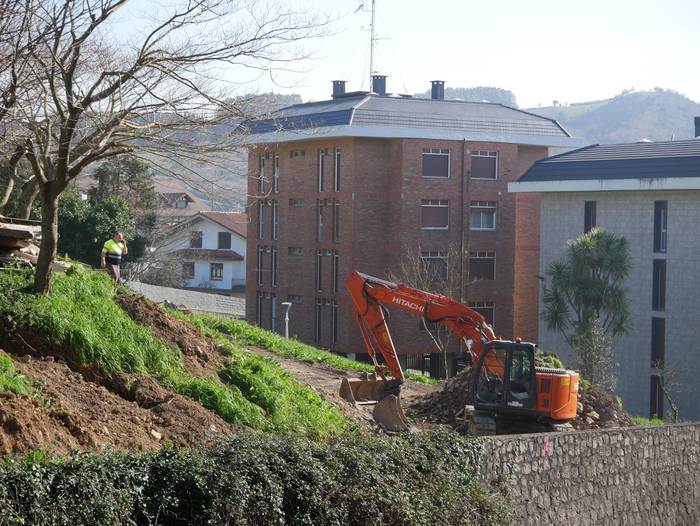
point(587, 287)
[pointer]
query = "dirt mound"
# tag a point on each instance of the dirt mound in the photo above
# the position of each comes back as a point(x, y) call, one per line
point(200, 352)
point(68, 412)
point(597, 407)
point(443, 405)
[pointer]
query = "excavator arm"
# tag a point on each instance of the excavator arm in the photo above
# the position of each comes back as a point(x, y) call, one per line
point(371, 296)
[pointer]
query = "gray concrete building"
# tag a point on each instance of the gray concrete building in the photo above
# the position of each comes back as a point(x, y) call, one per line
point(648, 193)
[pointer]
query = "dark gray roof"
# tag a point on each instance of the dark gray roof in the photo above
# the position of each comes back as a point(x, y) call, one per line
point(641, 160)
point(390, 116)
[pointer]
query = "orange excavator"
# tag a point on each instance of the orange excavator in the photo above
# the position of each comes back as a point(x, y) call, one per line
point(506, 383)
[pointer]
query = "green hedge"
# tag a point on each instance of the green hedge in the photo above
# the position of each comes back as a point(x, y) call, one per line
point(259, 479)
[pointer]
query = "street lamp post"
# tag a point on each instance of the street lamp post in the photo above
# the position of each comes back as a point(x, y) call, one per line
point(287, 306)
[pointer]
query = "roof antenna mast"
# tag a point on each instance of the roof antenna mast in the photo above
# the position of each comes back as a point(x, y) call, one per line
point(372, 39)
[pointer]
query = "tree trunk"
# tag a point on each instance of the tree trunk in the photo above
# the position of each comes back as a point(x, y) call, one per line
point(5, 197)
point(30, 191)
point(49, 238)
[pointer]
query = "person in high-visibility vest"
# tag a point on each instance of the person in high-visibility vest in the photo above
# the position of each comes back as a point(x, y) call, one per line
point(112, 253)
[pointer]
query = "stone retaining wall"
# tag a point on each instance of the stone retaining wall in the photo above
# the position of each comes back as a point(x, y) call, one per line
point(617, 476)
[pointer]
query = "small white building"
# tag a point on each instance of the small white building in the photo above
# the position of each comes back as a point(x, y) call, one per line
point(212, 249)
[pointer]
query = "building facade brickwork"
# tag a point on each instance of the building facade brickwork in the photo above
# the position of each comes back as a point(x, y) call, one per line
point(370, 206)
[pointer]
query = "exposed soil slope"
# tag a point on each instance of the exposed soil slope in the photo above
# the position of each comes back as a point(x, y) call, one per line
point(69, 412)
point(200, 353)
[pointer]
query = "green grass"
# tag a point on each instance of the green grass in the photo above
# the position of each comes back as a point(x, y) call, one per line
point(648, 422)
point(10, 379)
point(289, 348)
point(81, 313)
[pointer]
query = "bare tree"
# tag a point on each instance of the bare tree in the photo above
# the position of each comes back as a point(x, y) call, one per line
point(89, 98)
point(433, 271)
point(669, 381)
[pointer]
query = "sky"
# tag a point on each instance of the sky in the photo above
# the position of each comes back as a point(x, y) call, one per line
point(542, 50)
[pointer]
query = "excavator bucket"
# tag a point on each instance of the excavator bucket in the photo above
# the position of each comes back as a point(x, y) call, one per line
point(390, 416)
point(384, 393)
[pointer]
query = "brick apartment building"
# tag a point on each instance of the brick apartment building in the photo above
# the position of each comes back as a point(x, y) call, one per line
point(359, 180)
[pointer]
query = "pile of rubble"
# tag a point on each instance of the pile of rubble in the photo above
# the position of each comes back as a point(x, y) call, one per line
point(446, 405)
point(18, 240)
point(597, 408)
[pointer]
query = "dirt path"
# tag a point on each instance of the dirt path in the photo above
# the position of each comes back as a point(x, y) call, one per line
point(326, 380)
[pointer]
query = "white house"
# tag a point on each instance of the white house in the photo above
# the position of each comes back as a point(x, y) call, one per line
point(212, 249)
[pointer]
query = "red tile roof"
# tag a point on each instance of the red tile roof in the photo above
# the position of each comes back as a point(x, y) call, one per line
point(234, 221)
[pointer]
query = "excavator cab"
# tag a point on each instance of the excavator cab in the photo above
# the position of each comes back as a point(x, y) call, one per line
point(505, 377)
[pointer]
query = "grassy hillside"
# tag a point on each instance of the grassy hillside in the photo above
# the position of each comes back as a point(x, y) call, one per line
point(81, 316)
point(657, 115)
point(252, 335)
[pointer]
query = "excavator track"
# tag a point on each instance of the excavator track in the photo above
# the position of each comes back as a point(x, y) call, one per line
point(482, 424)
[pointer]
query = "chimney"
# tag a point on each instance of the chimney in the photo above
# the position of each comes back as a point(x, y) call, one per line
point(697, 127)
point(437, 90)
point(379, 84)
point(338, 88)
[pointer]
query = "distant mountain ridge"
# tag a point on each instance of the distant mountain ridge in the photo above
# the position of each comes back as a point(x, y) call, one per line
point(656, 115)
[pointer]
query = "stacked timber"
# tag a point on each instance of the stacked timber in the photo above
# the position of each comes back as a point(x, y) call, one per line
point(18, 240)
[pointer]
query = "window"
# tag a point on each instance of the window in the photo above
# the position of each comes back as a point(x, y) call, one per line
point(296, 202)
point(261, 174)
point(216, 271)
point(656, 398)
point(434, 213)
point(321, 168)
point(483, 215)
point(482, 265)
point(275, 219)
point(484, 165)
point(181, 203)
point(335, 264)
point(276, 174)
point(319, 270)
point(188, 270)
point(196, 239)
point(334, 322)
point(261, 219)
point(273, 312)
point(320, 219)
point(258, 308)
point(318, 315)
point(295, 298)
point(336, 221)
point(435, 263)
point(295, 251)
point(589, 221)
point(273, 279)
point(224, 241)
point(336, 171)
point(436, 162)
point(297, 153)
point(485, 308)
point(259, 263)
point(658, 295)
point(660, 225)
point(658, 342)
